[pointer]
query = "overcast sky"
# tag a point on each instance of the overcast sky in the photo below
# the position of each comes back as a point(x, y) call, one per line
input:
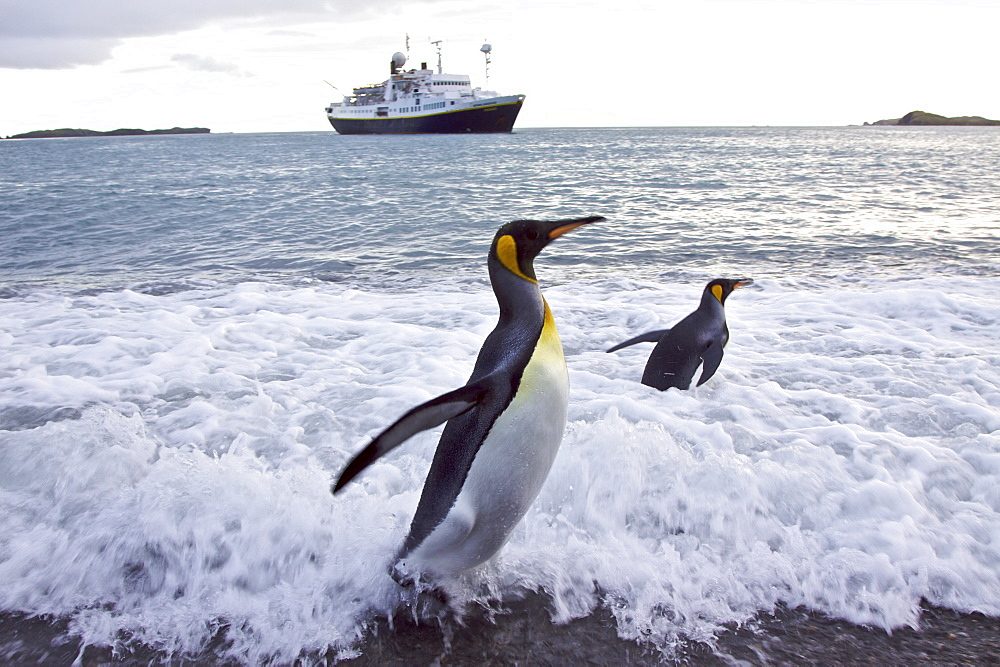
point(262, 65)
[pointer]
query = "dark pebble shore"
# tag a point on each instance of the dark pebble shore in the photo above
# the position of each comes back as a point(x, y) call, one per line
point(523, 634)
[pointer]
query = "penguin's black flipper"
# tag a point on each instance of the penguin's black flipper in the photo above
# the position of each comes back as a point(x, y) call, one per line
point(426, 415)
point(648, 337)
point(711, 358)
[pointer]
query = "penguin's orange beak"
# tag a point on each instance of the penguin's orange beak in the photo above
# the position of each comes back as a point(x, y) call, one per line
point(568, 227)
point(742, 282)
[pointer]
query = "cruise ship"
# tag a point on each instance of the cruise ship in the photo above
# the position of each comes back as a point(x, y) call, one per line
point(421, 101)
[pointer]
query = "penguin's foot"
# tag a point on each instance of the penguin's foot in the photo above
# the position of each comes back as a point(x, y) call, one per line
point(426, 598)
point(434, 603)
point(402, 575)
point(430, 603)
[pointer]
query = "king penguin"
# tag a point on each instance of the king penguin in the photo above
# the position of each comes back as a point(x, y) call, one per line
point(696, 340)
point(504, 426)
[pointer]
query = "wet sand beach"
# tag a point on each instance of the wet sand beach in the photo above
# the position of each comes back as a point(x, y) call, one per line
point(523, 634)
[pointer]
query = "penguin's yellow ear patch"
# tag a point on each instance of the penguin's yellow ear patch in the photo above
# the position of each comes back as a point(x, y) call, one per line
point(507, 254)
point(717, 291)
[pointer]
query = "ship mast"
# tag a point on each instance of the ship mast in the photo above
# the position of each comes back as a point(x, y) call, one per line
point(437, 43)
point(487, 49)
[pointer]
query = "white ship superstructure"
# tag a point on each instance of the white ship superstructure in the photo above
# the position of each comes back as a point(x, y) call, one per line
point(424, 101)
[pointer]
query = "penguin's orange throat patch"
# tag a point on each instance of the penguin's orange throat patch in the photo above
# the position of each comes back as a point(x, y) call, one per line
point(507, 254)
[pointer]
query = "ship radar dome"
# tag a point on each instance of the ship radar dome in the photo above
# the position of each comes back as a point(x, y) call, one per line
point(398, 59)
point(486, 48)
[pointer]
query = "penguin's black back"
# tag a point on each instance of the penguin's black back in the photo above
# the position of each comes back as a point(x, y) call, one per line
point(677, 355)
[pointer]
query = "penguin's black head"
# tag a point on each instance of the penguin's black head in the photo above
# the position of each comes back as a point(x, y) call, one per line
point(517, 243)
point(721, 288)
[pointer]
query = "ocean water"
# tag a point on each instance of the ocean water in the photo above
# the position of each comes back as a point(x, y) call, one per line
point(198, 332)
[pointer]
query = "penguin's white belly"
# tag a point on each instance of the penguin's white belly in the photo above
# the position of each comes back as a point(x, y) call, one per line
point(509, 469)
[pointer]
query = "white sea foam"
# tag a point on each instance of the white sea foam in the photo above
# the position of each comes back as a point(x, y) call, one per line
point(165, 461)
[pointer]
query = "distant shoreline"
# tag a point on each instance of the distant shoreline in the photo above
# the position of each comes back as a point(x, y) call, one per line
point(121, 132)
point(924, 118)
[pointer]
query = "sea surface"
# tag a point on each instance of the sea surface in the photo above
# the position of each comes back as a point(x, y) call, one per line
point(198, 332)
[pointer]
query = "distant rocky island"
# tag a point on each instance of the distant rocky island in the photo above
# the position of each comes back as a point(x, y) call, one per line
point(122, 132)
point(924, 118)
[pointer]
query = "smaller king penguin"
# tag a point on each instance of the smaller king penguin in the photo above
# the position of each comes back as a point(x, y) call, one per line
point(696, 340)
point(504, 426)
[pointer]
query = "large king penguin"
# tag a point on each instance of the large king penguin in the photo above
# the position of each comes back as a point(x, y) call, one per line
point(504, 426)
point(696, 340)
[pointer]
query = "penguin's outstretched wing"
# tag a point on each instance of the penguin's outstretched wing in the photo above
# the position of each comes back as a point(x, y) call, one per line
point(712, 357)
point(648, 337)
point(426, 415)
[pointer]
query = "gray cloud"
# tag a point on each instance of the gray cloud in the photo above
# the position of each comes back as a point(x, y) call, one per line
point(290, 33)
point(205, 64)
point(52, 52)
point(142, 70)
point(54, 34)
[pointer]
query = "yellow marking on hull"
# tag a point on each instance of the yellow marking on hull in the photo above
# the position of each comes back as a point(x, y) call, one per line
point(425, 115)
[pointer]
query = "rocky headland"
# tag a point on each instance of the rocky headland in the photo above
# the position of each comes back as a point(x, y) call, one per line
point(924, 118)
point(121, 132)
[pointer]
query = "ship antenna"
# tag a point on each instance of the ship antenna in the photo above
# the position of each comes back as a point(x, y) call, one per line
point(437, 43)
point(487, 49)
point(407, 47)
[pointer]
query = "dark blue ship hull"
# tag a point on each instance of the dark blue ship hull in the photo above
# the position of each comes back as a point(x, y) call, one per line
point(491, 118)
